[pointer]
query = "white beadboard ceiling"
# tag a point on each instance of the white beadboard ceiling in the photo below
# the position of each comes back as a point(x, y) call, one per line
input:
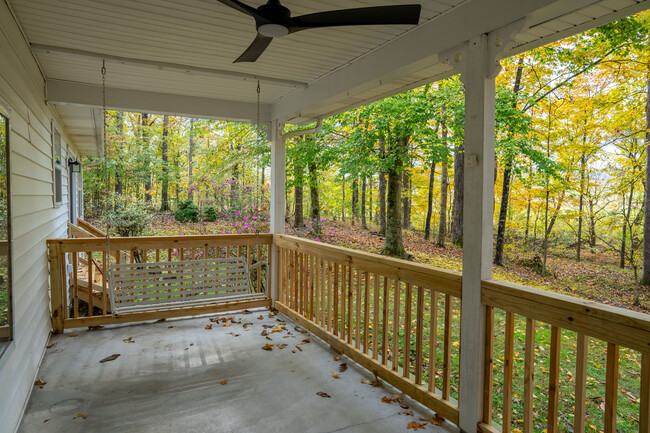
point(165, 52)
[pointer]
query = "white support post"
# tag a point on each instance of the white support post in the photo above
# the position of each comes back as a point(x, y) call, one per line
point(278, 180)
point(477, 73)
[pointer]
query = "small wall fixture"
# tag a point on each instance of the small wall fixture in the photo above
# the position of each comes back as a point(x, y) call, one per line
point(74, 165)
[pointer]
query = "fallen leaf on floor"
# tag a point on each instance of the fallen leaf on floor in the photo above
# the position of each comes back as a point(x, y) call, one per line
point(187, 348)
point(227, 324)
point(214, 319)
point(224, 382)
point(170, 326)
point(81, 415)
point(208, 326)
point(299, 329)
point(396, 398)
point(335, 375)
point(366, 381)
point(375, 384)
point(264, 332)
point(46, 420)
point(415, 425)
point(343, 367)
point(386, 399)
point(95, 327)
point(282, 346)
point(49, 346)
point(246, 312)
point(269, 338)
point(337, 358)
point(403, 405)
point(437, 420)
point(293, 370)
point(40, 383)
point(267, 346)
point(408, 412)
point(277, 329)
point(129, 340)
point(110, 358)
point(293, 351)
point(234, 334)
point(299, 348)
point(191, 344)
point(260, 317)
point(273, 313)
point(73, 335)
point(305, 341)
point(160, 320)
point(323, 394)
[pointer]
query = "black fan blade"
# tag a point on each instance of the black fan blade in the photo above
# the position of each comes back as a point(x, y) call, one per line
point(241, 7)
point(400, 14)
point(255, 49)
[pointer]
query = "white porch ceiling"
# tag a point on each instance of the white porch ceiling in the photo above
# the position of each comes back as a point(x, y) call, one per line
point(180, 53)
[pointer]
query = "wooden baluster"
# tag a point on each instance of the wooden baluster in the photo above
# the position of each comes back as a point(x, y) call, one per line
point(75, 289)
point(104, 289)
point(322, 293)
point(446, 366)
point(529, 376)
point(312, 290)
point(396, 308)
point(294, 296)
point(170, 257)
point(336, 299)
point(644, 406)
point(366, 313)
point(384, 323)
point(611, 387)
point(330, 297)
point(259, 270)
point(581, 383)
point(89, 255)
point(375, 318)
point(239, 250)
point(419, 335)
point(488, 373)
point(554, 380)
point(508, 358)
point(406, 369)
point(57, 286)
point(433, 340)
point(301, 287)
point(344, 291)
point(357, 315)
point(350, 290)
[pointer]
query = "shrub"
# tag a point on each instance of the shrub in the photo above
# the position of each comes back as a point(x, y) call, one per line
point(209, 214)
point(187, 211)
point(131, 219)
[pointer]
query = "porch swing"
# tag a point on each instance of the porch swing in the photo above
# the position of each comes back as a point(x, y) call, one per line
point(163, 285)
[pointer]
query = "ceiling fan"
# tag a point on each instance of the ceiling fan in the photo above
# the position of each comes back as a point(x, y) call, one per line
point(273, 20)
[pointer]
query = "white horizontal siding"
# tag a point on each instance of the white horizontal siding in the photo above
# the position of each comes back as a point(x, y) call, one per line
point(35, 218)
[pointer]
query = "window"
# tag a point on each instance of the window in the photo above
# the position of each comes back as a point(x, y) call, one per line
point(58, 187)
point(6, 328)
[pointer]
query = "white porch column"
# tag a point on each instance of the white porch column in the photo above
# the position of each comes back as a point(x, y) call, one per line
point(477, 73)
point(278, 180)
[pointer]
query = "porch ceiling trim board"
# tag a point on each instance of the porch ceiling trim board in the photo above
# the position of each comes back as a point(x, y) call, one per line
point(61, 92)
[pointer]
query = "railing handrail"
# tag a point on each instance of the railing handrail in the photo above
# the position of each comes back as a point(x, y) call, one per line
point(443, 280)
point(612, 324)
point(153, 242)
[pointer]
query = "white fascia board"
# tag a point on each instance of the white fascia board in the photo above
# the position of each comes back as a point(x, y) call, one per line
point(417, 49)
point(73, 93)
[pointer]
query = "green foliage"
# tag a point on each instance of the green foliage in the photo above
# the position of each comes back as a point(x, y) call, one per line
point(187, 212)
point(210, 214)
point(130, 219)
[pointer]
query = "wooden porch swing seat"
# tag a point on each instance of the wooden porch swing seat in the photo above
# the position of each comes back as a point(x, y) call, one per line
point(138, 287)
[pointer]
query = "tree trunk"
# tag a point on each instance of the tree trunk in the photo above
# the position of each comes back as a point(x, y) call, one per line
point(592, 224)
point(406, 201)
point(314, 213)
point(144, 122)
point(370, 186)
point(298, 196)
point(118, 172)
point(394, 245)
point(364, 224)
point(459, 193)
point(645, 272)
point(355, 200)
point(343, 199)
point(444, 186)
point(432, 178)
point(382, 192)
point(190, 162)
point(583, 165)
point(164, 199)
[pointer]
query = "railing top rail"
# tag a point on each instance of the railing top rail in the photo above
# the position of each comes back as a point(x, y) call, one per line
point(612, 324)
point(161, 242)
point(417, 273)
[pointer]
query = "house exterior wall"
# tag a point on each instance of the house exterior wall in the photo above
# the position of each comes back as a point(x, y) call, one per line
point(35, 217)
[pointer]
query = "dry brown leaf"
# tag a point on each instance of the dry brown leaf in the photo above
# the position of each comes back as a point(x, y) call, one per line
point(375, 384)
point(170, 326)
point(335, 375)
point(246, 312)
point(224, 382)
point(305, 341)
point(386, 399)
point(49, 346)
point(110, 358)
point(260, 317)
point(343, 367)
point(269, 338)
point(437, 420)
point(95, 327)
point(129, 340)
point(277, 329)
point(191, 344)
point(293, 351)
point(323, 394)
point(415, 425)
point(282, 346)
point(46, 420)
point(264, 332)
point(403, 405)
point(40, 383)
point(299, 348)
point(227, 324)
point(366, 381)
point(81, 415)
point(208, 326)
point(337, 358)
point(73, 335)
point(408, 412)
point(268, 346)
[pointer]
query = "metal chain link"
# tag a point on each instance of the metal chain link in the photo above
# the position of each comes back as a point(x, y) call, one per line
point(108, 224)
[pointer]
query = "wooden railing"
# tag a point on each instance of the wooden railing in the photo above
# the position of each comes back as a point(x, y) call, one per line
point(396, 318)
point(572, 361)
point(78, 280)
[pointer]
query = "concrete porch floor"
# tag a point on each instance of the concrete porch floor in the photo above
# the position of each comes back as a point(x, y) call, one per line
point(170, 380)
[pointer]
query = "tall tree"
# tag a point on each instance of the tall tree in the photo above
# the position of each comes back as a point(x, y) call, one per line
point(164, 206)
